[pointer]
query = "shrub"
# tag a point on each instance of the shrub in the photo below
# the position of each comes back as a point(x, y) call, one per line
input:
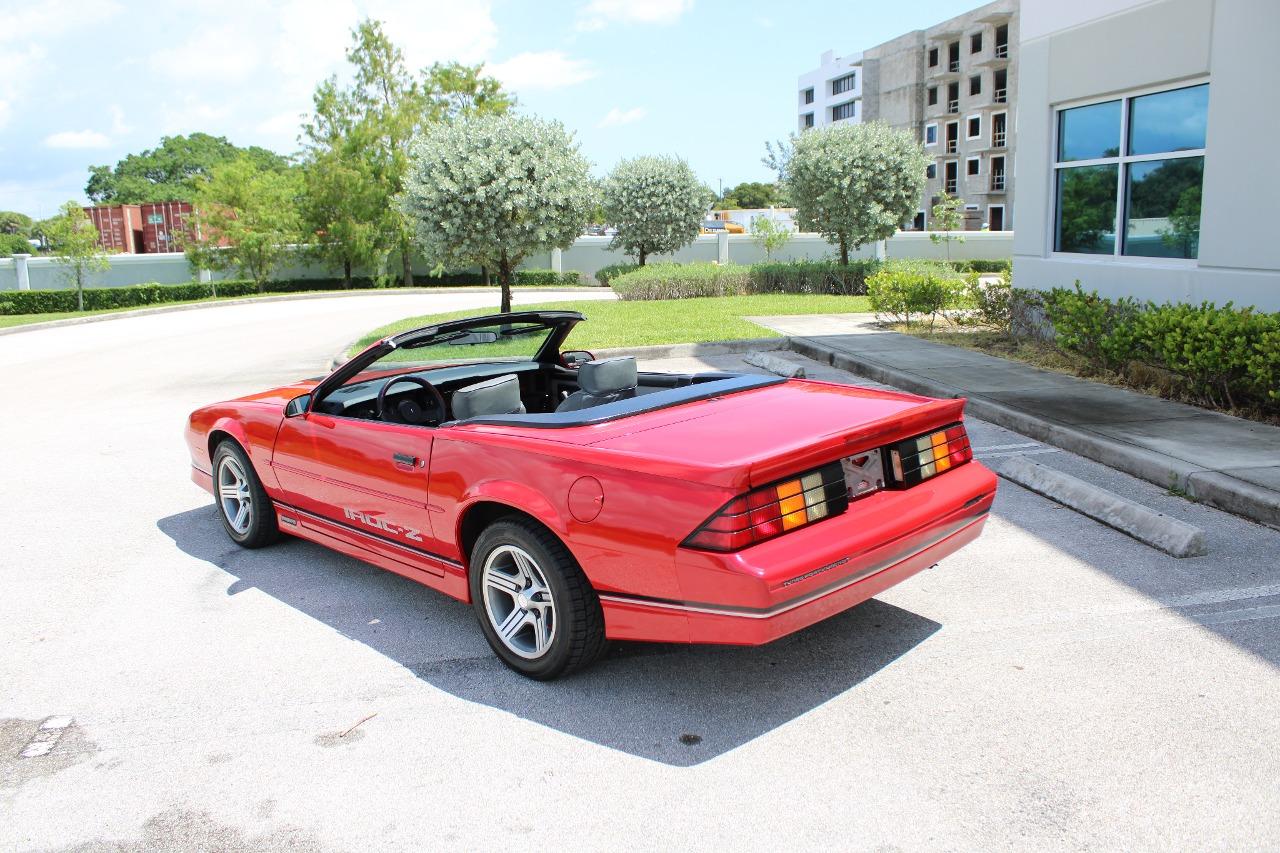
point(980, 265)
point(682, 281)
point(901, 289)
point(606, 274)
point(14, 244)
point(1086, 324)
point(826, 277)
point(991, 301)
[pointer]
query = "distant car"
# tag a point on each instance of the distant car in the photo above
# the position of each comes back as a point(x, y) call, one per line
point(594, 231)
point(574, 501)
point(715, 226)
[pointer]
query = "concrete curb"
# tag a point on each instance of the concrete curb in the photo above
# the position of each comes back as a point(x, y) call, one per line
point(1211, 487)
point(1174, 537)
point(279, 297)
point(775, 364)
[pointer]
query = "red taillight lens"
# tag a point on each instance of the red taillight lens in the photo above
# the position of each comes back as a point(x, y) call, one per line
point(917, 459)
point(773, 510)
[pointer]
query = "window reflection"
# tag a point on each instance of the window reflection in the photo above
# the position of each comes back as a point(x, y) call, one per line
point(1087, 133)
point(1087, 210)
point(1169, 121)
point(1164, 208)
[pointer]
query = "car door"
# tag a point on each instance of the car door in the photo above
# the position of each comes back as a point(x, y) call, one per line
point(361, 481)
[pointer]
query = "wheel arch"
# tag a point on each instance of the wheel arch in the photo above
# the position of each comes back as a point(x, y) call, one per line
point(493, 501)
point(224, 429)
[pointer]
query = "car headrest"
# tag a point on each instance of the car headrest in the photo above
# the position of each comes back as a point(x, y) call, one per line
point(497, 396)
point(608, 375)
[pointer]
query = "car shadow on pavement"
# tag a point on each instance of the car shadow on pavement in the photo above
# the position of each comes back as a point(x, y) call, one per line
point(679, 705)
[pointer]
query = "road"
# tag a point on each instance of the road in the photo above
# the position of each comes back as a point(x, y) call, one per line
point(1056, 685)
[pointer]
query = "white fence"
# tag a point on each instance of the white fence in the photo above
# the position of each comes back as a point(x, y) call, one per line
point(586, 255)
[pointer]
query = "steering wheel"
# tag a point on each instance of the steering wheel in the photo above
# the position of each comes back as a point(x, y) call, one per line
point(409, 411)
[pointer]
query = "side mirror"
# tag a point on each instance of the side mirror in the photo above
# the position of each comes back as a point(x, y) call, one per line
point(575, 357)
point(297, 406)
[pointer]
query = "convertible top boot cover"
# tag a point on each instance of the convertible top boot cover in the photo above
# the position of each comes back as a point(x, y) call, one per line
point(497, 396)
point(605, 380)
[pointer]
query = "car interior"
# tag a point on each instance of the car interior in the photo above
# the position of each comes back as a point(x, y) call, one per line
point(430, 396)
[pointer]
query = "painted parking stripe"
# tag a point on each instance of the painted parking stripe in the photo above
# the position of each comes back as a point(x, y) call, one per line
point(1006, 446)
point(46, 737)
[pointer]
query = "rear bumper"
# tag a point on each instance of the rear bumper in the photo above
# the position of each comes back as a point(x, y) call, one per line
point(780, 587)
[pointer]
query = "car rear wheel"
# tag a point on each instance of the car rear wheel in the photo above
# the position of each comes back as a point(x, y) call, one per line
point(536, 607)
point(246, 511)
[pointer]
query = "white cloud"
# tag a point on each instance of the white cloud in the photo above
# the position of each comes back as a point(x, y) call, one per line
point(219, 55)
point(118, 125)
point(77, 139)
point(598, 14)
point(284, 126)
point(193, 115)
point(615, 117)
point(548, 69)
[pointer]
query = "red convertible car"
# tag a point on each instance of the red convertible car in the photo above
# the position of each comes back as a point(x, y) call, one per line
point(574, 501)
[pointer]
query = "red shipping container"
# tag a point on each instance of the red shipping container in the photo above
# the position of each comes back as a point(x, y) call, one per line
point(164, 225)
point(119, 227)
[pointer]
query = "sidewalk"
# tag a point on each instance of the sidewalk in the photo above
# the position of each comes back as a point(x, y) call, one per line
point(1227, 462)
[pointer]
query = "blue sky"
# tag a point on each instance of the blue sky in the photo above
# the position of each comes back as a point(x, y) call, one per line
point(84, 82)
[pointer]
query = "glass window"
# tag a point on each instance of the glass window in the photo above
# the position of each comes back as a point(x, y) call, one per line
point(931, 134)
point(1169, 121)
point(808, 95)
point(1163, 208)
point(931, 171)
point(1089, 133)
point(933, 95)
point(1087, 210)
point(843, 84)
point(808, 119)
point(849, 109)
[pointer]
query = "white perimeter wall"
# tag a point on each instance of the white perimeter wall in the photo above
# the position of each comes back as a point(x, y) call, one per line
point(586, 255)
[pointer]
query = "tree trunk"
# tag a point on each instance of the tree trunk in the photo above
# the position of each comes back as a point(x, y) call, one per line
point(79, 290)
point(484, 276)
point(844, 252)
point(504, 278)
point(406, 255)
point(642, 254)
point(346, 273)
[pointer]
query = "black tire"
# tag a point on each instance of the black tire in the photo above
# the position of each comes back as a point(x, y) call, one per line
point(260, 528)
point(578, 637)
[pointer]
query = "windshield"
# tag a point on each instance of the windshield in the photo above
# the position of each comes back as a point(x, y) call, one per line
point(510, 341)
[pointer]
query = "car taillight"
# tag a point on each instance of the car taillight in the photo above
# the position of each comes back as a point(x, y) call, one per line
point(773, 510)
point(917, 459)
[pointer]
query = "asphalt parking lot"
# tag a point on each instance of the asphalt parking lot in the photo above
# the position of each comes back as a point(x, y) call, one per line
point(1056, 685)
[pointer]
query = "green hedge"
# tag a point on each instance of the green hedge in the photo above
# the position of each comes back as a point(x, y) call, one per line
point(682, 281)
point(1003, 265)
point(604, 275)
point(1220, 355)
point(901, 290)
point(141, 295)
point(821, 277)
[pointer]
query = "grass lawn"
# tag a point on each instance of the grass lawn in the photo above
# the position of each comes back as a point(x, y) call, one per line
point(669, 321)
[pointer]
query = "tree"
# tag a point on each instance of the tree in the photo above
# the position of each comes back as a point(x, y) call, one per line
point(656, 203)
point(366, 128)
point(13, 244)
point(244, 219)
point(946, 218)
point(770, 234)
point(749, 195)
point(170, 171)
point(73, 241)
point(855, 183)
point(777, 156)
point(12, 222)
point(492, 189)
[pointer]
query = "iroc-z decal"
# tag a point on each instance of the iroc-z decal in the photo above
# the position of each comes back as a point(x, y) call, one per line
point(410, 533)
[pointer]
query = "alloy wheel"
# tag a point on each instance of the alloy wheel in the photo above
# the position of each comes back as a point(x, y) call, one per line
point(517, 600)
point(234, 496)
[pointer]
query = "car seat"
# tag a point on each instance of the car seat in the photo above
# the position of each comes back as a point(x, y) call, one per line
point(605, 380)
point(497, 396)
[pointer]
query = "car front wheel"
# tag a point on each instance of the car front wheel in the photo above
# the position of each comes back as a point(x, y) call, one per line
point(536, 607)
point(246, 511)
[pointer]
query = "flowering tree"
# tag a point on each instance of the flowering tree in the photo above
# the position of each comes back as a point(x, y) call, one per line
point(656, 203)
point(492, 189)
point(855, 183)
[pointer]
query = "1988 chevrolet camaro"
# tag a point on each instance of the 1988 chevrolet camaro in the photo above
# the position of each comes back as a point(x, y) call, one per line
point(573, 501)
